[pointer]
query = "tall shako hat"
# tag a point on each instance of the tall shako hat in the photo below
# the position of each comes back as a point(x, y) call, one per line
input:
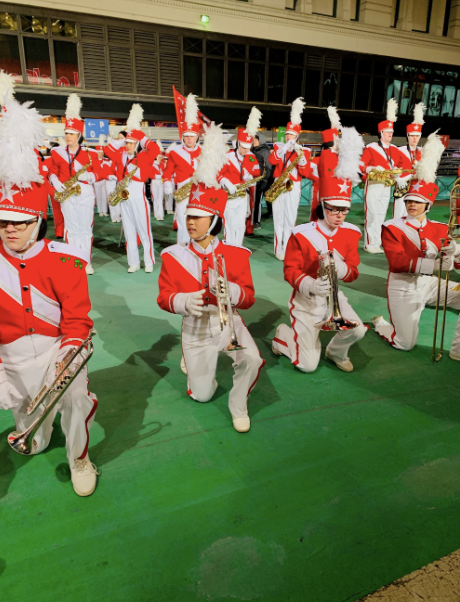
point(207, 198)
point(294, 125)
point(74, 124)
point(6, 87)
point(191, 125)
point(423, 189)
point(416, 126)
point(336, 190)
point(134, 121)
point(388, 124)
point(336, 126)
point(23, 195)
point(246, 135)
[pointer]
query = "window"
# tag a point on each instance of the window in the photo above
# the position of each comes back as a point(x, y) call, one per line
point(363, 86)
point(365, 66)
point(312, 83)
point(64, 29)
point(66, 60)
point(257, 53)
point(34, 24)
point(348, 64)
point(237, 51)
point(9, 56)
point(380, 68)
point(347, 86)
point(294, 84)
point(256, 82)
point(275, 83)
point(193, 45)
point(330, 89)
point(296, 59)
point(215, 48)
point(193, 75)
point(8, 21)
point(435, 100)
point(445, 28)
point(236, 70)
point(448, 101)
point(214, 78)
point(276, 55)
point(38, 61)
point(378, 94)
point(407, 103)
point(394, 89)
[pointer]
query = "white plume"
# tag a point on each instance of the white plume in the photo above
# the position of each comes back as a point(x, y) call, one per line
point(160, 146)
point(253, 124)
point(21, 132)
point(101, 139)
point(191, 110)
point(431, 156)
point(297, 110)
point(334, 117)
point(213, 156)
point(6, 86)
point(350, 147)
point(418, 113)
point(73, 107)
point(135, 117)
point(392, 109)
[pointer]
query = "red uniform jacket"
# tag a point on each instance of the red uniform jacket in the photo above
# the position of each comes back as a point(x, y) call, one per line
point(46, 293)
point(281, 163)
point(64, 168)
point(407, 244)
point(307, 240)
point(239, 171)
point(186, 270)
point(143, 161)
point(389, 158)
point(108, 168)
point(181, 164)
point(327, 163)
point(413, 156)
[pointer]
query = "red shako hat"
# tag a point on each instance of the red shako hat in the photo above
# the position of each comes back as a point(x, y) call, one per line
point(73, 121)
point(423, 188)
point(206, 201)
point(388, 124)
point(246, 135)
point(335, 191)
point(191, 125)
point(295, 124)
point(416, 126)
point(422, 192)
point(329, 134)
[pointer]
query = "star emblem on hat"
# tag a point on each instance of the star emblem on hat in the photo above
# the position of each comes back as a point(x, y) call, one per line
point(344, 187)
point(416, 127)
point(70, 122)
point(196, 195)
point(248, 138)
point(417, 186)
point(8, 195)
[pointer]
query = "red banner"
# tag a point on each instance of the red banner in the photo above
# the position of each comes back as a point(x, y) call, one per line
point(445, 140)
point(179, 102)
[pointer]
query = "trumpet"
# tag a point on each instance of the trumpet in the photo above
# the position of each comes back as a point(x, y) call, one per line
point(71, 185)
point(334, 320)
point(453, 234)
point(224, 305)
point(386, 176)
point(23, 443)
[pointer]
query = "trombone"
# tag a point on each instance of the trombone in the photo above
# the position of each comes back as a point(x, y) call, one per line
point(224, 305)
point(23, 443)
point(453, 234)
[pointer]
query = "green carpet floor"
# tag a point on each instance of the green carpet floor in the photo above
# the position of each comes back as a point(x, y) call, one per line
point(344, 483)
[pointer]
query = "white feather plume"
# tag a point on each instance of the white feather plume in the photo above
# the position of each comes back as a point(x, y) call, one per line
point(135, 117)
point(297, 110)
point(418, 113)
point(350, 147)
point(6, 86)
point(213, 156)
point(334, 117)
point(21, 132)
point(253, 124)
point(431, 156)
point(101, 139)
point(73, 107)
point(191, 110)
point(160, 146)
point(392, 110)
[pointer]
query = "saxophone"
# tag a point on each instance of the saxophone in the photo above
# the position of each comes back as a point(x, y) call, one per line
point(385, 177)
point(71, 185)
point(183, 193)
point(121, 192)
point(282, 183)
point(242, 188)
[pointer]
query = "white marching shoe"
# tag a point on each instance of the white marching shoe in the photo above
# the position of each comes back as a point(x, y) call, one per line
point(84, 476)
point(183, 367)
point(373, 250)
point(274, 350)
point(89, 269)
point(242, 425)
point(148, 269)
point(169, 212)
point(280, 256)
point(133, 268)
point(378, 321)
point(454, 357)
point(344, 365)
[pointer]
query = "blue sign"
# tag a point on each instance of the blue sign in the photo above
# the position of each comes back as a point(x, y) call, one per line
point(94, 128)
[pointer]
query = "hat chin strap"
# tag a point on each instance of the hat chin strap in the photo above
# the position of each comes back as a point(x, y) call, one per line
point(211, 226)
point(325, 215)
point(32, 238)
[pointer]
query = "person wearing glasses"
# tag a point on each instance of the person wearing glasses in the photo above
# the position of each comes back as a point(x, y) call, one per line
point(308, 304)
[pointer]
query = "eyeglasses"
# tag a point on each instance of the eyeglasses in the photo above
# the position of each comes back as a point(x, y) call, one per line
point(19, 226)
point(344, 211)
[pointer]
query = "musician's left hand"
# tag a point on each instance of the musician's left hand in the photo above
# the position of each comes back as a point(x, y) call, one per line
point(402, 182)
point(88, 176)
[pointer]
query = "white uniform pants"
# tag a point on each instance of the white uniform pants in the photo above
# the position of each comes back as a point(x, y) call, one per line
point(135, 215)
point(115, 212)
point(399, 208)
point(78, 212)
point(235, 220)
point(26, 363)
point(301, 343)
point(156, 190)
point(407, 296)
point(376, 201)
point(202, 340)
point(284, 217)
point(101, 197)
point(179, 216)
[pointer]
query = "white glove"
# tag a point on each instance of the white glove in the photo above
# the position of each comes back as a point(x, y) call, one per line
point(56, 182)
point(290, 146)
point(402, 182)
point(450, 249)
point(340, 265)
point(311, 286)
point(55, 369)
point(298, 148)
point(168, 187)
point(303, 161)
point(377, 168)
point(231, 188)
point(280, 149)
point(447, 263)
point(116, 144)
point(88, 176)
point(194, 303)
point(9, 395)
point(112, 178)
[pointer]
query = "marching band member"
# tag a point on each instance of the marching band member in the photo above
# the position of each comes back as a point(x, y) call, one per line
point(182, 163)
point(411, 246)
point(135, 210)
point(109, 169)
point(44, 299)
point(100, 189)
point(78, 210)
point(413, 154)
point(241, 167)
point(286, 206)
point(187, 286)
point(156, 186)
point(379, 156)
point(308, 304)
